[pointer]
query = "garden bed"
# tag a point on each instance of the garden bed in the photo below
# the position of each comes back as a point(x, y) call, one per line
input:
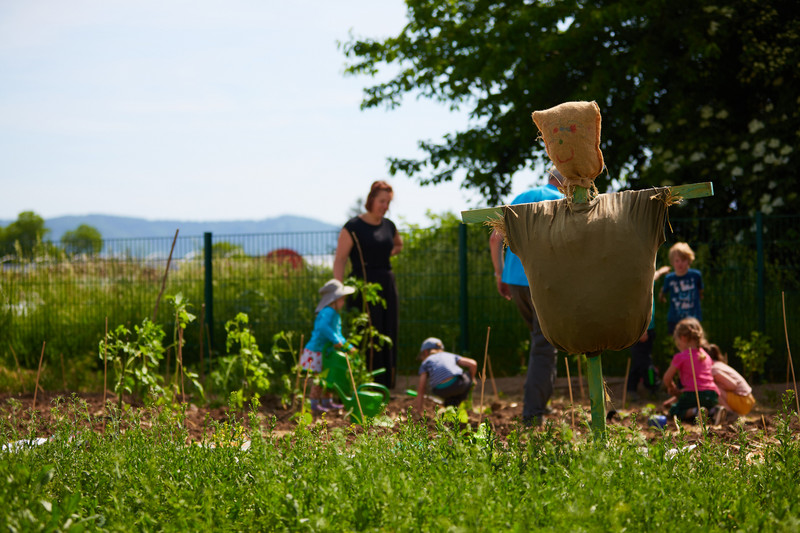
point(504, 411)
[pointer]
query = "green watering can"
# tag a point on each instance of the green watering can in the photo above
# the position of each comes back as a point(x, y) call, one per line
point(335, 362)
point(372, 401)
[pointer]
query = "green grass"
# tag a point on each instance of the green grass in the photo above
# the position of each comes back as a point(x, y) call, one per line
point(142, 475)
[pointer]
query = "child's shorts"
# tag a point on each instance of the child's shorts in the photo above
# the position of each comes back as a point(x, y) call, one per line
point(311, 360)
point(741, 405)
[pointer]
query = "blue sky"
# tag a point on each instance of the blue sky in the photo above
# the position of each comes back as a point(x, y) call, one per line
point(203, 110)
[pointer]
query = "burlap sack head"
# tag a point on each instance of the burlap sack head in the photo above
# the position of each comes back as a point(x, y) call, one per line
point(571, 133)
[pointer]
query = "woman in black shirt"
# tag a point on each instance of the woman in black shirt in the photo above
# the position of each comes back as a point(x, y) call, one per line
point(369, 240)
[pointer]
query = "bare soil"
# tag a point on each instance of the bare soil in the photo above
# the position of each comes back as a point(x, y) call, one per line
point(504, 397)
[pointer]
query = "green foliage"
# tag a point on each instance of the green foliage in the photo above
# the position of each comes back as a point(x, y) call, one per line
point(135, 361)
point(182, 319)
point(85, 239)
point(140, 474)
point(244, 373)
point(753, 352)
point(224, 249)
point(22, 236)
point(689, 91)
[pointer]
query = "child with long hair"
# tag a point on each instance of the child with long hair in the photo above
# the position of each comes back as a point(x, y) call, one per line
point(735, 394)
point(692, 365)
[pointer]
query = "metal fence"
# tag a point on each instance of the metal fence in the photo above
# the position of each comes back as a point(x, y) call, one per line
point(444, 276)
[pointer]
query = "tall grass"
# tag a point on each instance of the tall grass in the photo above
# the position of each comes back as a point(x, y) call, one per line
point(142, 474)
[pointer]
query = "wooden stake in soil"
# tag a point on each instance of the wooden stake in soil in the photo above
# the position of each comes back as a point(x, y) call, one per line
point(491, 376)
point(694, 378)
point(299, 367)
point(105, 366)
point(180, 361)
point(38, 372)
point(625, 384)
point(353, 382)
point(483, 372)
point(164, 279)
point(569, 385)
point(789, 352)
point(202, 323)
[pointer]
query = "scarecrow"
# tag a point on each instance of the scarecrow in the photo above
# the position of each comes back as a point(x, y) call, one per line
point(589, 258)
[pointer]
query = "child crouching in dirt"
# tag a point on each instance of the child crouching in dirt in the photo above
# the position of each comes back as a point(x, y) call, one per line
point(449, 376)
point(327, 333)
point(693, 366)
point(735, 394)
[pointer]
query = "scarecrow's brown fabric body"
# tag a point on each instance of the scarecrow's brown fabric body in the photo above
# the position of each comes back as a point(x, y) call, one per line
point(590, 266)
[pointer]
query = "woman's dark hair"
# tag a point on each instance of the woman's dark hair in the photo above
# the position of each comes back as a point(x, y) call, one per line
point(377, 187)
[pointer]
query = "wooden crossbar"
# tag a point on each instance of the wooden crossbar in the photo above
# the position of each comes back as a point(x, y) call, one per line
point(692, 190)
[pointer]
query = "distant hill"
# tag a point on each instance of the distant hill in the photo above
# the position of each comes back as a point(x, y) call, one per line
point(273, 233)
point(113, 227)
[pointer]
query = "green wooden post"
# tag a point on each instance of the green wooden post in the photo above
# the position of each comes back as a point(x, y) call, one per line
point(594, 366)
point(597, 396)
point(597, 393)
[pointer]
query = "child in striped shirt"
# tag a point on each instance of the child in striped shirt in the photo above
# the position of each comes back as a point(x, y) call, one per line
point(448, 375)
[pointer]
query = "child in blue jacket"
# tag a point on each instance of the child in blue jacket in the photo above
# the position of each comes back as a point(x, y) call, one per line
point(327, 334)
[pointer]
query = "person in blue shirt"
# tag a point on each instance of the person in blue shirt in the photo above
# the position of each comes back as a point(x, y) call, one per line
point(327, 335)
point(683, 287)
point(512, 284)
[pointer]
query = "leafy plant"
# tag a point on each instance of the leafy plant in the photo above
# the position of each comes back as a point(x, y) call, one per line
point(135, 361)
point(244, 372)
point(182, 319)
point(753, 352)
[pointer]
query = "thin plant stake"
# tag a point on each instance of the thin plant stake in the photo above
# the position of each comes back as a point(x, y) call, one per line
point(164, 279)
point(353, 381)
point(38, 372)
point(105, 366)
point(483, 372)
point(19, 370)
point(299, 367)
point(694, 378)
point(491, 376)
point(789, 352)
point(180, 361)
point(364, 305)
point(202, 323)
point(303, 399)
point(569, 385)
point(625, 383)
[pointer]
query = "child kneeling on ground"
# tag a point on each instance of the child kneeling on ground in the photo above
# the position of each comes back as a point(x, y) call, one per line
point(693, 366)
point(448, 375)
point(735, 394)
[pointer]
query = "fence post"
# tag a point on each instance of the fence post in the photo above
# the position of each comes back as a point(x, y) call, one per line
point(760, 262)
point(462, 274)
point(209, 295)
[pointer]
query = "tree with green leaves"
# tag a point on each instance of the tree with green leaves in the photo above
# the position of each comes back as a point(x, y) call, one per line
point(85, 239)
point(689, 91)
point(26, 232)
